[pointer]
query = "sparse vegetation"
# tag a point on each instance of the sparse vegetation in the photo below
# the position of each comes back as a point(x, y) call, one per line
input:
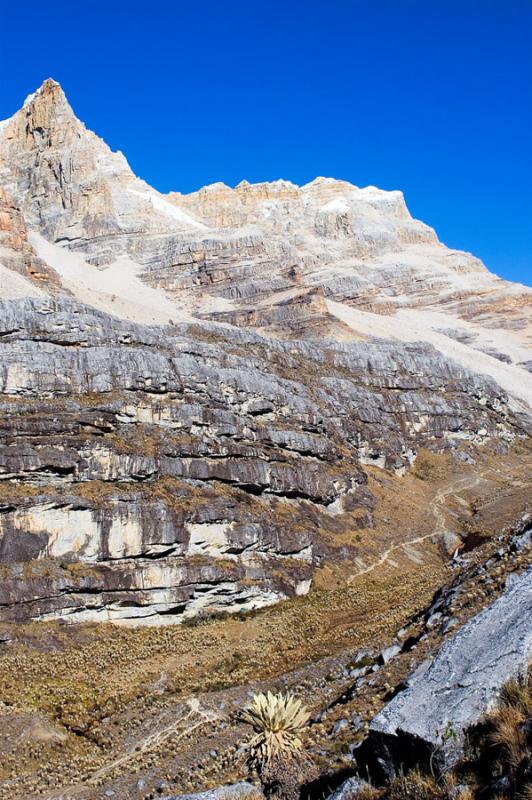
point(54, 672)
point(416, 785)
point(500, 752)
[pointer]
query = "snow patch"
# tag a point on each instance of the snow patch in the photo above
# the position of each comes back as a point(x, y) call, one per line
point(276, 186)
point(162, 205)
point(117, 289)
point(13, 285)
point(321, 180)
point(374, 191)
point(29, 99)
point(414, 325)
point(336, 206)
point(211, 187)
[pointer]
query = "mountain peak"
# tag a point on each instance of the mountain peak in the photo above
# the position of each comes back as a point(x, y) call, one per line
point(49, 84)
point(49, 93)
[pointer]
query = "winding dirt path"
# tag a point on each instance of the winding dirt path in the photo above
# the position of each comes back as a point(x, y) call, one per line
point(438, 505)
point(195, 717)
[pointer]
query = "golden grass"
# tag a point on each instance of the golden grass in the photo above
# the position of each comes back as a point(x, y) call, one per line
point(506, 746)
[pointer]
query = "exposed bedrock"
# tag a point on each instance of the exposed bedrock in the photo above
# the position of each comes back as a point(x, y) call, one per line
point(237, 791)
point(265, 242)
point(446, 697)
point(151, 471)
point(150, 474)
point(18, 256)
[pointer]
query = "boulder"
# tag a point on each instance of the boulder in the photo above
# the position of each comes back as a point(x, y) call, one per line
point(349, 789)
point(444, 698)
point(237, 791)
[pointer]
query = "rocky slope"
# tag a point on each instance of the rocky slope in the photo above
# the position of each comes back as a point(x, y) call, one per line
point(192, 386)
point(447, 696)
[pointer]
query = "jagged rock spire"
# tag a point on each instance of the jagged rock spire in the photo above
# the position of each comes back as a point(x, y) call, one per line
point(69, 183)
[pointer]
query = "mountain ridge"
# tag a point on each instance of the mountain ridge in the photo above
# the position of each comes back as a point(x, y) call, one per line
point(339, 279)
point(272, 256)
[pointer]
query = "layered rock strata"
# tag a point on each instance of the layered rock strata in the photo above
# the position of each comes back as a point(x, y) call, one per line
point(151, 472)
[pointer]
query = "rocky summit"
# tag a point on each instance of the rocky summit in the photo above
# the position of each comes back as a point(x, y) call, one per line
point(217, 401)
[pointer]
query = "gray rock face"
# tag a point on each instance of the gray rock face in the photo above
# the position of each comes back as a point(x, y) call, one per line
point(238, 791)
point(150, 475)
point(349, 789)
point(189, 470)
point(446, 697)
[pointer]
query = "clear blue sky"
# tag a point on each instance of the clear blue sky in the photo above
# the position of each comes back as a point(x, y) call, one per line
point(433, 97)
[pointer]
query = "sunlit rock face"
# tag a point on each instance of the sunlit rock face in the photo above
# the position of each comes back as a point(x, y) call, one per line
point(70, 185)
point(457, 687)
point(192, 386)
point(18, 256)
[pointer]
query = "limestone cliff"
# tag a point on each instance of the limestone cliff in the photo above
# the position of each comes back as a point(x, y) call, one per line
point(296, 335)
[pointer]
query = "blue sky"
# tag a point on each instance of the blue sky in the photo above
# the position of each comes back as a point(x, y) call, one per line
point(433, 97)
